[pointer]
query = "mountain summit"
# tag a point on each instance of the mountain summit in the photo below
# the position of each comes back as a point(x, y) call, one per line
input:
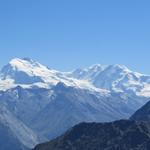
point(22, 71)
point(115, 78)
point(29, 73)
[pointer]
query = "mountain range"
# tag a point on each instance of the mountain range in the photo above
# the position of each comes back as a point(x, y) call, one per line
point(45, 102)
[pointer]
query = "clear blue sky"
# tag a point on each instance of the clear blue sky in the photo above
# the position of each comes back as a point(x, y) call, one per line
point(67, 34)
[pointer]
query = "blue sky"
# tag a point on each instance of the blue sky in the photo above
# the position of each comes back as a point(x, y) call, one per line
point(67, 34)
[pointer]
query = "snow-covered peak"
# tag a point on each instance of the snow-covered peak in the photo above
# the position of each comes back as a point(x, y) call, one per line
point(117, 67)
point(29, 73)
point(27, 65)
point(96, 67)
point(23, 71)
point(113, 77)
point(27, 59)
point(87, 73)
point(91, 72)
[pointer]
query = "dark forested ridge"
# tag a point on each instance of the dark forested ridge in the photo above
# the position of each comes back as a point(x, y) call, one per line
point(142, 114)
point(118, 135)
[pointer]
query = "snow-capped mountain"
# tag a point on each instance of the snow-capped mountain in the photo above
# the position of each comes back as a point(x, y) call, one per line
point(115, 78)
point(70, 105)
point(28, 73)
point(48, 101)
point(50, 112)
